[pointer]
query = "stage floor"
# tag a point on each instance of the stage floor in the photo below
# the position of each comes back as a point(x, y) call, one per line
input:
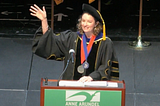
point(21, 73)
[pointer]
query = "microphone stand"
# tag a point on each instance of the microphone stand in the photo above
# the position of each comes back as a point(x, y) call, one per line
point(63, 71)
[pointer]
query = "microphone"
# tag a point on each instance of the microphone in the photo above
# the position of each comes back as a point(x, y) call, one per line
point(72, 54)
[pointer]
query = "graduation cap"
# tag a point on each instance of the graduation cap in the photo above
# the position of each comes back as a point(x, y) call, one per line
point(96, 14)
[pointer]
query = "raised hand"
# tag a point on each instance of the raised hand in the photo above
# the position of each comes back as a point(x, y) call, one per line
point(37, 12)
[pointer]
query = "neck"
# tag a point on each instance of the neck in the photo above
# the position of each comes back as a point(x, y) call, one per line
point(88, 35)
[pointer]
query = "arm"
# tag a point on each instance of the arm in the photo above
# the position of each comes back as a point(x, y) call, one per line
point(52, 46)
point(45, 42)
point(40, 14)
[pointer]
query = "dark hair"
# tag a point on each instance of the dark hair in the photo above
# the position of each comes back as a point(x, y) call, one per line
point(96, 29)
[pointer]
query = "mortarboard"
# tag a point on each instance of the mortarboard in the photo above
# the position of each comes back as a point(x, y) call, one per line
point(96, 14)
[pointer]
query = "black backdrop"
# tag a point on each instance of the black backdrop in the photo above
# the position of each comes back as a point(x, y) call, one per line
point(116, 13)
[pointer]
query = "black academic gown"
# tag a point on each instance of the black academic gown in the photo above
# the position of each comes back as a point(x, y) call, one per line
point(103, 64)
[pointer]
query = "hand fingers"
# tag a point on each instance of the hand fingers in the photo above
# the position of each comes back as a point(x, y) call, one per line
point(85, 79)
point(44, 9)
point(33, 14)
point(82, 79)
point(37, 7)
point(33, 9)
point(88, 80)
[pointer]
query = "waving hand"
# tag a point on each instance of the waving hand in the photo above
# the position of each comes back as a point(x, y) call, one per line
point(37, 12)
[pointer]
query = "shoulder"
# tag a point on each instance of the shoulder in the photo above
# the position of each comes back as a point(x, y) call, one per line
point(107, 43)
point(108, 40)
point(69, 32)
point(67, 35)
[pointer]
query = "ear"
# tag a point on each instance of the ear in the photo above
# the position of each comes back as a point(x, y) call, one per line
point(96, 23)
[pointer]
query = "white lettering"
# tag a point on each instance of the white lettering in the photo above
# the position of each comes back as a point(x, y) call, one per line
point(88, 104)
point(71, 104)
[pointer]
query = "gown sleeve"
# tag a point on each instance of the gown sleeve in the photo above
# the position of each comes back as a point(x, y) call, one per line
point(107, 67)
point(50, 45)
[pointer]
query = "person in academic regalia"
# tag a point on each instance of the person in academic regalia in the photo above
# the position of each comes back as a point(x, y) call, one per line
point(95, 57)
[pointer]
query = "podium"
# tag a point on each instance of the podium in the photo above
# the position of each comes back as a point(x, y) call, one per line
point(53, 95)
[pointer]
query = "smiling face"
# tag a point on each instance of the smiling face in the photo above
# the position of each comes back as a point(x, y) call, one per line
point(88, 23)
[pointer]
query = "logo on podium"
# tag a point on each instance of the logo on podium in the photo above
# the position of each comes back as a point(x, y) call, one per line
point(82, 98)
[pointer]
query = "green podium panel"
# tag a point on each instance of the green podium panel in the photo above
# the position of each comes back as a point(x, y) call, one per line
point(53, 95)
point(59, 97)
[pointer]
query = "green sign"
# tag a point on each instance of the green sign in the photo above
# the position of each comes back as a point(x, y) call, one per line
point(57, 97)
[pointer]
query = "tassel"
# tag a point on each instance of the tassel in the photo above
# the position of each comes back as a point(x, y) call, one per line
point(90, 1)
point(104, 27)
point(104, 32)
point(58, 1)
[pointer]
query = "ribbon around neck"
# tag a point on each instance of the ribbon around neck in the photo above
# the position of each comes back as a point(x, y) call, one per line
point(85, 49)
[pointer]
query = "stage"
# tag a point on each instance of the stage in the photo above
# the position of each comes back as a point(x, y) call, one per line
point(21, 71)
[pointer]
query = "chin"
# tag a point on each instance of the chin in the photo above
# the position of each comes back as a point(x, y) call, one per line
point(86, 31)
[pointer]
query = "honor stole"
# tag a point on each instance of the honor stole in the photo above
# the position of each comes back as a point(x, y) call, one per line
point(85, 49)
